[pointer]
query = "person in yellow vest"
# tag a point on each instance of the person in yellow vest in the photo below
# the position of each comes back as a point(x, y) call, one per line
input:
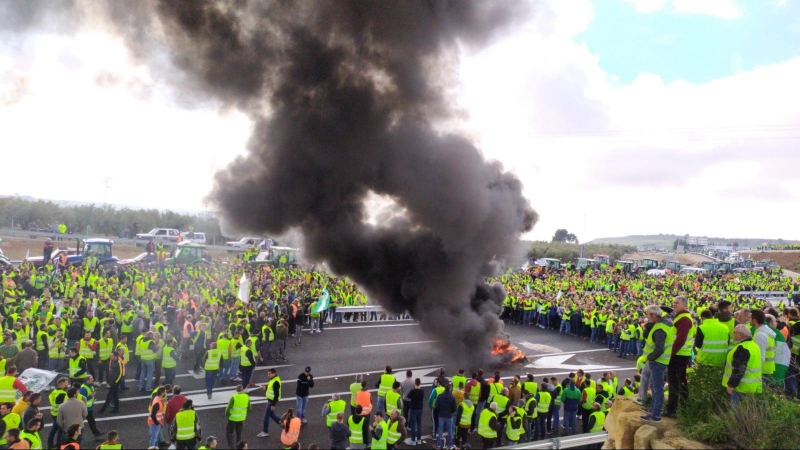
point(236, 412)
point(331, 408)
point(514, 428)
point(384, 385)
point(658, 350)
point(112, 442)
point(87, 348)
point(169, 360)
point(711, 341)
point(211, 366)
point(116, 374)
point(148, 352)
point(105, 347)
point(10, 419)
point(185, 428)
point(681, 355)
point(742, 374)
point(290, 429)
point(87, 390)
point(57, 398)
point(597, 418)
point(31, 434)
point(394, 400)
point(9, 385)
point(463, 421)
point(488, 425)
point(77, 366)
point(273, 393)
point(544, 399)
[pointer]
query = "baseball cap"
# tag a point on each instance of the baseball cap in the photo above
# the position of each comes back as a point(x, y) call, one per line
point(308, 368)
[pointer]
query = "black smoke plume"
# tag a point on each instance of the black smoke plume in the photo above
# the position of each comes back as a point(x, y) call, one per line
point(350, 98)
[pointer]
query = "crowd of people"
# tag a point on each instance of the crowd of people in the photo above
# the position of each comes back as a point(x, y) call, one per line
point(97, 324)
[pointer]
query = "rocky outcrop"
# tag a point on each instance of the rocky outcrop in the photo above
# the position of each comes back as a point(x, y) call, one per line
point(627, 430)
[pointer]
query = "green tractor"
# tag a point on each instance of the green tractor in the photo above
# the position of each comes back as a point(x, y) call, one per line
point(648, 264)
point(674, 266)
point(188, 253)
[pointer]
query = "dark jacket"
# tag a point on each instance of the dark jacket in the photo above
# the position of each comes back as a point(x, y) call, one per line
point(304, 383)
point(446, 404)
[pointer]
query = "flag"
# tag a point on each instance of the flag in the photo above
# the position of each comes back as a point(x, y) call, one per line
point(27, 254)
point(558, 296)
point(244, 289)
point(323, 302)
point(528, 290)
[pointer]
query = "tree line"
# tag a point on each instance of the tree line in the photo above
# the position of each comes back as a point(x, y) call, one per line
point(101, 221)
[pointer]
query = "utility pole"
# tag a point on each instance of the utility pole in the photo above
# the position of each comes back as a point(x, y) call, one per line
point(107, 184)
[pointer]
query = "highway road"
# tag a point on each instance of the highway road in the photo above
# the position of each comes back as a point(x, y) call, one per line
point(336, 356)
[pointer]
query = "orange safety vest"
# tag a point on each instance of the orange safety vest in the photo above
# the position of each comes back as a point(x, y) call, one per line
point(290, 437)
point(159, 414)
point(186, 329)
point(363, 399)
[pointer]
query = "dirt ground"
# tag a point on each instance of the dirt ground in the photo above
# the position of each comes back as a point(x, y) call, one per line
point(687, 258)
point(16, 247)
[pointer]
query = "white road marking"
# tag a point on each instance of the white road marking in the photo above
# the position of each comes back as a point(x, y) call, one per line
point(397, 343)
point(373, 326)
point(558, 362)
point(569, 351)
point(539, 347)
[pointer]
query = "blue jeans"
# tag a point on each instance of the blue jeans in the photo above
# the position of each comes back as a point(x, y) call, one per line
point(270, 414)
point(556, 412)
point(735, 399)
point(210, 379)
point(639, 348)
point(169, 375)
point(644, 383)
point(539, 432)
point(381, 406)
point(657, 387)
point(155, 434)
point(527, 317)
point(477, 414)
point(445, 424)
point(55, 432)
point(146, 380)
point(234, 373)
point(300, 406)
point(416, 424)
point(570, 422)
point(610, 340)
point(791, 379)
point(564, 329)
point(594, 334)
point(225, 370)
point(623, 348)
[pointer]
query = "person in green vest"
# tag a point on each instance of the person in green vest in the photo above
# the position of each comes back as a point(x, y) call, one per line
point(332, 407)
point(384, 385)
point(488, 425)
point(597, 418)
point(57, 397)
point(742, 374)
point(711, 341)
point(87, 390)
point(211, 361)
point(31, 434)
point(211, 443)
point(185, 426)
point(379, 430)
point(111, 443)
point(658, 350)
point(764, 337)
point(236, 412)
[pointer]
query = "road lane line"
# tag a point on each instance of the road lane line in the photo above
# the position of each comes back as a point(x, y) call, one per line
point(201, 377)
point(373, 326)
point(569, 351)
point(292, 399)
point(284, 382)
point(397, 343)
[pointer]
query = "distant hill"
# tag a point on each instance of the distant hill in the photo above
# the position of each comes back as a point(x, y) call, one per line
point(666, 240)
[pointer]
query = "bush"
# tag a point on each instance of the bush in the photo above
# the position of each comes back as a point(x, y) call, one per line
point(759, 421)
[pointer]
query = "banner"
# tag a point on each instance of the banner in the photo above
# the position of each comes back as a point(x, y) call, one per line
point(244, 289)
point(323, 302)
point(36, 379)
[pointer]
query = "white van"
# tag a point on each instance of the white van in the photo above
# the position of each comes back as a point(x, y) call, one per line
point(692, 270)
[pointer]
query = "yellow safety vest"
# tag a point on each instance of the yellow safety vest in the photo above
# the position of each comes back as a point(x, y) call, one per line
point(7, 391)
point(238, 412)
point(336, 407)
point(75, 366)
point(185, 420)
point(212, 361)
point(484, 428)
point(751, 381)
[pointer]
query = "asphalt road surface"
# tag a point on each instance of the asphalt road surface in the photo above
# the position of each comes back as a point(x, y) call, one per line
point(336, 356)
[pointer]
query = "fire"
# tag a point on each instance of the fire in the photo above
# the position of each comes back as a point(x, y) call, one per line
point(507, 351)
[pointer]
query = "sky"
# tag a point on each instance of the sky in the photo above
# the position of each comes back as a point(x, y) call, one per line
point(619, 116)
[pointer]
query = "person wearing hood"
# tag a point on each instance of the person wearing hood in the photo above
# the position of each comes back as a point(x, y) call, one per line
point(466, 410)
point(681, 355)
point(764, 337)
point(725, 317)
point(658, 350)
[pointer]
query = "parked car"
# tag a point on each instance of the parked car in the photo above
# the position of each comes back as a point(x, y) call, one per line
point(142, 258)
point(167, 236)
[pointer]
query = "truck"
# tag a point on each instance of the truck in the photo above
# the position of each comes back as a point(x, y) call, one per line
point(272, 257)
point(165, 236)
point(188, 253)
point(243, 244)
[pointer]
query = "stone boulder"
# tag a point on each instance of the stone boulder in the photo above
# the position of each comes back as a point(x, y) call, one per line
point(627, 429)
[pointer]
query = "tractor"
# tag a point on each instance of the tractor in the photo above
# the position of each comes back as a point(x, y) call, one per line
point(188, 253)
point(275, 256)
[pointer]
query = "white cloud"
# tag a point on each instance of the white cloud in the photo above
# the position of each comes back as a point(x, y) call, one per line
point(723, 9)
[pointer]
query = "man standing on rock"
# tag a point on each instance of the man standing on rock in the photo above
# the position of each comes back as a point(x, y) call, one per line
point(681, 356)
point(657, 350)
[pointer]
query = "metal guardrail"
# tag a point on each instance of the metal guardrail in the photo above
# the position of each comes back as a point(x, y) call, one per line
point(577, 440)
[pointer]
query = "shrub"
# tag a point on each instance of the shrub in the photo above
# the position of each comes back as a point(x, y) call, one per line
point(759, 421)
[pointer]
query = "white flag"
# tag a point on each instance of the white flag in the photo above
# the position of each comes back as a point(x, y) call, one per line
point(244, 289)
point(27, 254)
point(558, 296)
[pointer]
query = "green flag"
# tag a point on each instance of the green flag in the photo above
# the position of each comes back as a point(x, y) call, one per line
point(323, 302)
